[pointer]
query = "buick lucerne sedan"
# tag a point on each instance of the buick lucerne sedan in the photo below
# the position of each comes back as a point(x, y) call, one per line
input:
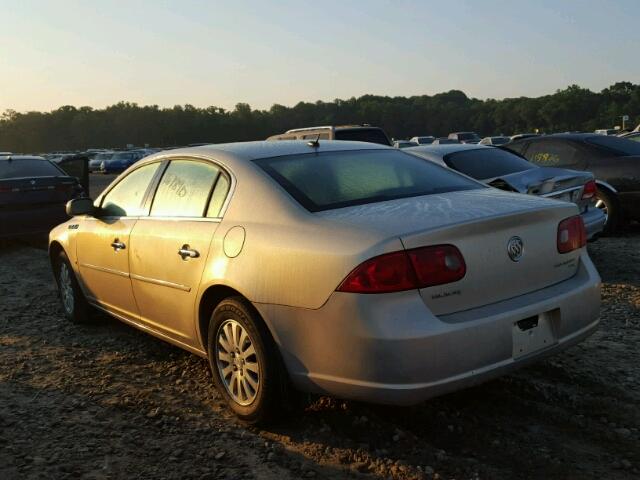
point(341, 268)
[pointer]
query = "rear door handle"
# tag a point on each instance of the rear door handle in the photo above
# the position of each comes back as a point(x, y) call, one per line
point(186, 252)
point(118, 245)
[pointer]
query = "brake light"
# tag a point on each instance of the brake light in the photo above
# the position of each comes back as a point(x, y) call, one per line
point(589, 190)
point(571, 234)
point(406, 270)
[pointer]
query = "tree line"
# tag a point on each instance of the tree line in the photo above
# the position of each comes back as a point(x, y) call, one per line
point(78, 128)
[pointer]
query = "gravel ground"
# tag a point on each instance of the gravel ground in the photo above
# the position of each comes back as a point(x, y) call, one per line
point(106, 401)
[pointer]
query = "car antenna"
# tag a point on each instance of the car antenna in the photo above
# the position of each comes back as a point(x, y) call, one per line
point(314, 143)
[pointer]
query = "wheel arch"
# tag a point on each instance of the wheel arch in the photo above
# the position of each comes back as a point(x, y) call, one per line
point(210, 299)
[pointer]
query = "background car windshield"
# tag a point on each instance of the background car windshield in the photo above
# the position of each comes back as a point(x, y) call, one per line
point(468, 136)
point(28, 168)
point(122, 156)
point(371, 135)
point(500, 140)
point(486, 163)
point(620, 146)
point(103, 156)
point(339, 179)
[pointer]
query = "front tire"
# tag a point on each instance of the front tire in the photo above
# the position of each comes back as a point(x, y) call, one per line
point(74, 304)
point(244, 361)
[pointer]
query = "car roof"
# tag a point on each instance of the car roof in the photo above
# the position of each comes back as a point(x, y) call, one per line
point(13, 158)
point(562, 136)
point(447, 148)
point(243, 152)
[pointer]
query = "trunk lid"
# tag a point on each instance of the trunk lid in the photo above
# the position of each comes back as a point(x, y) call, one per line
point(557, 183)
point(480, 224)
point(37, 191)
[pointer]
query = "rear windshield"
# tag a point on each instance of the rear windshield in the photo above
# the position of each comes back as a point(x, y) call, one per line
point(324, 181)
point(371, 135)
point(103, 156)
point(620, 146)
point(32, 167)
point(468, 136)
point(485, 163)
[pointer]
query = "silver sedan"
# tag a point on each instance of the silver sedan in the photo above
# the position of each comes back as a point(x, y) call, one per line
point(342, 268)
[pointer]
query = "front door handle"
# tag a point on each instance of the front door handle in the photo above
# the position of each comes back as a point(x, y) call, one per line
point(118, 245)
point(186, 252)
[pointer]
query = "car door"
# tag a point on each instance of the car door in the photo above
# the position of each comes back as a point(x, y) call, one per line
point(169, 248)
point(102, 243)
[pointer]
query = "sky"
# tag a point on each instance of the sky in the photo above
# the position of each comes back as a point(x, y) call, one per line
point(220, 53)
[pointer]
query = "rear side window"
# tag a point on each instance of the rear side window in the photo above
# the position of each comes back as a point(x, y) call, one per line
point(185, 189)
point(331, 180)
point(218, 196)
point(125, 199)
point(32, 167)
point(370, 135)
point(553, 154)
point(485, 163)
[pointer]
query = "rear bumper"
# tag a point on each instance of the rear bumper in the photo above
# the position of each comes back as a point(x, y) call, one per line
point(390, 349)
point(594, 221)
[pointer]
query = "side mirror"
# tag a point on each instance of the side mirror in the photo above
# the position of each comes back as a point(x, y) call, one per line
point(80, 206)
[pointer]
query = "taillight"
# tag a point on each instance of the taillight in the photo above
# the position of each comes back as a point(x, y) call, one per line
point(406, 270)
point(571, 234)
point(589, 190)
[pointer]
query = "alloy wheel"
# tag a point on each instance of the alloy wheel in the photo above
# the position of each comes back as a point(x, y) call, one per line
point(66, 288)
point(237, 362)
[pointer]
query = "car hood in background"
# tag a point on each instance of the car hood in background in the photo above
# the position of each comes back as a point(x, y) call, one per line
point(541, 180)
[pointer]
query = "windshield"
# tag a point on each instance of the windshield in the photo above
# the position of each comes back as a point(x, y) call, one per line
point(500, 140)
point(371, 135)
point(331, 180)
point(620, 146)
point(485, 163)
point(32, 167)
point(103, 156)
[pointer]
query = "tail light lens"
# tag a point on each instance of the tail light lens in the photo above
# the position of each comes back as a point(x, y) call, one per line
point(571, 234)
point(589, 190)
point(406, 270)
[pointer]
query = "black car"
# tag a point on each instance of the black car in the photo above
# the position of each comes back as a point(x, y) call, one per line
point(614, 161)
point(33, 195)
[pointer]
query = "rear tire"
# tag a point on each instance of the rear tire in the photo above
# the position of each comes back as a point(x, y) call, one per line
point(74, 304)
point(244, 362)
point(607, 201)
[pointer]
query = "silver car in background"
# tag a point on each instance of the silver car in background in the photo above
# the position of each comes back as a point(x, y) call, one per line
point(506, 170)
point(344, 268)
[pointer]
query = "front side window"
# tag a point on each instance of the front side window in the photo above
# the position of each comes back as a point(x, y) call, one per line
point(331, 180)
point(185, 189)
point(125, 199)
point(617, 145)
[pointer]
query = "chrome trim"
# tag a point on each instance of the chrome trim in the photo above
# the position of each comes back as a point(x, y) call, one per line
point(104, 269)
point(164, 283)
point(605, 184)
point(560, 192)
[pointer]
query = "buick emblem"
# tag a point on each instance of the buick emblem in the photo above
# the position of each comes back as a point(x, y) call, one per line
point(33, 182)
point(515, 248)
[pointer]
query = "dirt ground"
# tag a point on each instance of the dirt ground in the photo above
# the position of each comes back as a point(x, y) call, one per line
point(104, 400)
